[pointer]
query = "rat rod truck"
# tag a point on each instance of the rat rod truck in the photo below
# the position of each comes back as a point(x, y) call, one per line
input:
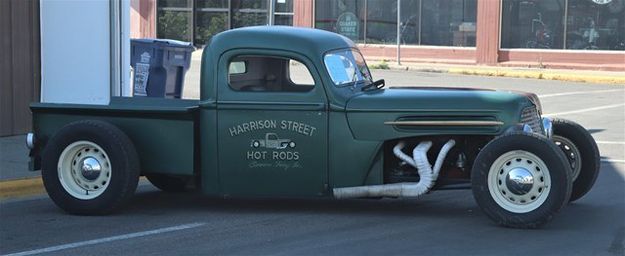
point(327, 130)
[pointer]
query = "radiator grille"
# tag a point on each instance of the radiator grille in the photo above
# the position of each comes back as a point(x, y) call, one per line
point(530, 116)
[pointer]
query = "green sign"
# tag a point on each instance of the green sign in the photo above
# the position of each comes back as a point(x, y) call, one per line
point(348, 25)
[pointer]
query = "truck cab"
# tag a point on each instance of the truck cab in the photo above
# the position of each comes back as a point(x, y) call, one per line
point(295, 112)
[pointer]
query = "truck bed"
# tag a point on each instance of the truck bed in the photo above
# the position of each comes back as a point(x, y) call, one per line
point(162, 130)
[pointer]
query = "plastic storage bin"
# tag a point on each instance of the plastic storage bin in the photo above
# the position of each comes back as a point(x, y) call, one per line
point(159, 66)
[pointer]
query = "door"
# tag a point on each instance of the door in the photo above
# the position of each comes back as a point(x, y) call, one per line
point(272, 125)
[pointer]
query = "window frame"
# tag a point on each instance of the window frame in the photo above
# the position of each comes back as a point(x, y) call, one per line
point(224, 94)
point(317, 82)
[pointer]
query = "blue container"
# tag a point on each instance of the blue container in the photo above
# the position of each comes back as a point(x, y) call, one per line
point(159, 66)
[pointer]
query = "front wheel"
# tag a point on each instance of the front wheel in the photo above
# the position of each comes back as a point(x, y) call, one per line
point(582, 154)
point(521, 180)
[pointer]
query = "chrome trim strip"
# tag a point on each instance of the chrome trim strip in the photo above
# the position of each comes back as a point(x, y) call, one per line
point(445, 123)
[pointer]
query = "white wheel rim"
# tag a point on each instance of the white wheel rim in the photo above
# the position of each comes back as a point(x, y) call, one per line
point(509, 197)
point(84, 170)
point(572, 154)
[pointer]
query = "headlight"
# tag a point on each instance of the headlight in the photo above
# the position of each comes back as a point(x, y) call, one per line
point(547, 127)
point(527, 128)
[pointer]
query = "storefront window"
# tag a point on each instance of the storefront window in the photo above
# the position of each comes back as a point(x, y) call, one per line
point(589, 24)
point(410, 22)
point(249, 13)
point(345, 17)
point(283, 12)
point(422, 22)
point(218, 4)
point(211, 18)
point(381, 22)
point(532, 24)
point(449, 22)
point(174, 19)
point(595, 25)
point(199, 20)
point(209, 24)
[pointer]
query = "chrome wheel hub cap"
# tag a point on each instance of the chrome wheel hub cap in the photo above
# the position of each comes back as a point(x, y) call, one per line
point(90, 168)
point(519, 181)
point(84, 170)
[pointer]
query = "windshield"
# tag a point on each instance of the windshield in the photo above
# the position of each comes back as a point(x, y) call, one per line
point(347, 67)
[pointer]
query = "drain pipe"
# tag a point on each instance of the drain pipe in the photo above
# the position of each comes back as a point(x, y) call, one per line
point(419, 160)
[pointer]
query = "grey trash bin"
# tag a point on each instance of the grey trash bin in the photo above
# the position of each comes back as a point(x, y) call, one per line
point(159, 66)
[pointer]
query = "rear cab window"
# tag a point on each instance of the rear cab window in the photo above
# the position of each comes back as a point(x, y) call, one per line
point(248, 73)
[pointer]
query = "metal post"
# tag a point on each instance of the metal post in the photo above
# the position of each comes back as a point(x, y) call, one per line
point(398, 32)
point(192, 21)
point(229, 14)
point(566, 14)
point(272, 12)
point(364, 32)
point(419, 26)
point(115, 28)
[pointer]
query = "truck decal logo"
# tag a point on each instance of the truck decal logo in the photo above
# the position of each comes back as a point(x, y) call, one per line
point(285, 125)
point(271, 149)
point(272, 141)
point(280, 149)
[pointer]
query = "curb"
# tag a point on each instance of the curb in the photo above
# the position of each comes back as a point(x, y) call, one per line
point(21, 188)
point(25, 187)
point(546, 74)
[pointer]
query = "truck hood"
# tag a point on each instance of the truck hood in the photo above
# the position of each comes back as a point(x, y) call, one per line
point(368, 112)
point(437, 98)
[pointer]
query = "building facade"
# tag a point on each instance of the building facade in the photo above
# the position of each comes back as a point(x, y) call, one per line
point(576, 34)
point(19, 64)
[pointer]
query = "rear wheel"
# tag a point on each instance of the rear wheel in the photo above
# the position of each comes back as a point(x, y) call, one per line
point(90, 167)
point(521, 180)
point(581, 152)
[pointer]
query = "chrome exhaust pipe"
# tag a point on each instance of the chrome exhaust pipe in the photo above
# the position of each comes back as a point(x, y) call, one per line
point(419, 160)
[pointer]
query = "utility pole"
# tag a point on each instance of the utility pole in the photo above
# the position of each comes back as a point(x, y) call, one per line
point(398, 32)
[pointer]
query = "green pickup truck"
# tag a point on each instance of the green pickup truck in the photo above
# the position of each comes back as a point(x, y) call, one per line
point(294, 112)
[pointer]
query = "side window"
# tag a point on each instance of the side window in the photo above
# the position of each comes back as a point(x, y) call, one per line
point(299, 74)
point(268, 74)
point(237, 67)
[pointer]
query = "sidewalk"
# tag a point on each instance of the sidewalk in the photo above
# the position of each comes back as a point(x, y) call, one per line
point(587, 76)
point(15, 179)
point(14, 158)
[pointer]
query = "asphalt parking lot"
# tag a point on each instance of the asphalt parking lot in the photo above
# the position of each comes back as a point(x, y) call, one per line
point(439, 223)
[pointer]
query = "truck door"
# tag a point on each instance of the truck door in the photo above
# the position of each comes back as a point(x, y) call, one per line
point(272, 125)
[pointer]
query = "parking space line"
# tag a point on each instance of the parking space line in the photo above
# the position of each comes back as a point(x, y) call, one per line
point(618, 161)
point(610, 142)
point(577, 93)
point(586, 110)
point(107, 239)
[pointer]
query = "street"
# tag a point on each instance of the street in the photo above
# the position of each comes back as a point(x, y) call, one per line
point(438, 223)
